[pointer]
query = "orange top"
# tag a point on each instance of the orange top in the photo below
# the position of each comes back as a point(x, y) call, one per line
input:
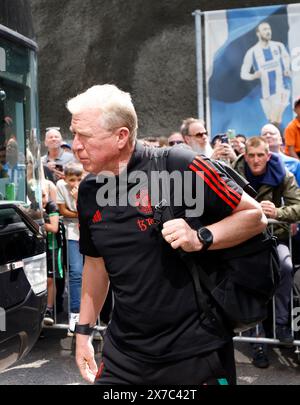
point(292, 135)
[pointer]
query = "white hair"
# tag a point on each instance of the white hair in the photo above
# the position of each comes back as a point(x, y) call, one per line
point(51, 131)
point(114, 105)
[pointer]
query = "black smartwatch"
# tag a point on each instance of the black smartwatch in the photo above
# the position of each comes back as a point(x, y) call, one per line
point(205, 237)
point(84, 329)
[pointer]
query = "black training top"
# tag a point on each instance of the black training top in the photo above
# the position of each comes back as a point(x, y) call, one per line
point(155, 316)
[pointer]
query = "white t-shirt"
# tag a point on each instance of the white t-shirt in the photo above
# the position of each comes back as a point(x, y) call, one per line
point(64, 197)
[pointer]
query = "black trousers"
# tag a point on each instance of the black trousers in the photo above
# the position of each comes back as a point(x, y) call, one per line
point(214, 368)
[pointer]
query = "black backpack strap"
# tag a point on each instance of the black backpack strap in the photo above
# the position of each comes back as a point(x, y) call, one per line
point(163, 212)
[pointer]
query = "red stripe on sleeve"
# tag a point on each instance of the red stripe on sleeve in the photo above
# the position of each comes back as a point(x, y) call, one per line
point(220, 184)
point(219, 177)
point(213, 187)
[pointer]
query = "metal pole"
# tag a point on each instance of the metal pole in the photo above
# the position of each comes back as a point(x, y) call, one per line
point(199, 65)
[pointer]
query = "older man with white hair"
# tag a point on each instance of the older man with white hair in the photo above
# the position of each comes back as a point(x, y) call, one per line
point(57, 157)
point(272, 136)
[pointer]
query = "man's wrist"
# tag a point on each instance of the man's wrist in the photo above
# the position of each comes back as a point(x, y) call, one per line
point(198, 245)
point(84, 329)
point(205, 237)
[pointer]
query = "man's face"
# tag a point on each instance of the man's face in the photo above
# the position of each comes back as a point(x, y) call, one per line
point(264, 32)
point(175, 138)
point(271, 135)
point(12, 151)
point(94, 146)
point(257, 159)
point(197, 138)
point(53, 139)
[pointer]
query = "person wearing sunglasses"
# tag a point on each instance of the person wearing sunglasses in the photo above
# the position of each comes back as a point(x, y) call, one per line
point(195, 135)
point(175, 139)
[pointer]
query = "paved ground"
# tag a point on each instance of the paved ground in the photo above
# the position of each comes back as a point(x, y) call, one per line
point(52, 362)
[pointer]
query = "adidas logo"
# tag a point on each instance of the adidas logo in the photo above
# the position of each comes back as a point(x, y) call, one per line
point(97, 217)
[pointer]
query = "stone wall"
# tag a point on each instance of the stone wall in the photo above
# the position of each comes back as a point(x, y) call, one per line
point(16, 15)
point(146, 47)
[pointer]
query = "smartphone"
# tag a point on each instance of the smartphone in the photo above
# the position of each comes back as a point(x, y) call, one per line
point(59, 168)
point(224, 138)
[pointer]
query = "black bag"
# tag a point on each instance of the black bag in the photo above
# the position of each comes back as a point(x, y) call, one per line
point(233, 290)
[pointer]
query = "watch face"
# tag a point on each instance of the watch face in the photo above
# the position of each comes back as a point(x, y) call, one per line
point(205, 236)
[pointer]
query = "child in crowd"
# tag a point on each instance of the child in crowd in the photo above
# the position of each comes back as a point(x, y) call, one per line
point(54, 259)
point(67, 192)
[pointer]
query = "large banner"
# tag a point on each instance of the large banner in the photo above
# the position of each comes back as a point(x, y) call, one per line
point(252, 60)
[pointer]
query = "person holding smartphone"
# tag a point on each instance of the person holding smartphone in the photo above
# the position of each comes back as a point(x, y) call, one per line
point(222, 150)
point(56, 157)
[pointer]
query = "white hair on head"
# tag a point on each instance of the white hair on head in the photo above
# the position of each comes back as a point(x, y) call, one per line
point(114, 105)
point(52, 130)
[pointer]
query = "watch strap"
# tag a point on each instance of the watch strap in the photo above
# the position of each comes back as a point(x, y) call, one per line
point(206, 241)
point(84, 329)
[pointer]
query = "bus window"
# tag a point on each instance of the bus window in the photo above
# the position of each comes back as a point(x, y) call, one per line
point(19, 146)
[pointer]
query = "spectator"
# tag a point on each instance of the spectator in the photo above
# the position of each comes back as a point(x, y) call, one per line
point(14, 168)
point(292, 133)
point(272, 136)
point(279, 197)
point(151, 141)
point(163, 141)
point(66, 147)
point(54, 263)
point(175, 139)
point(222, 150)
point(67, 192)
point(196, 136)
point(238, 143)
point(56, 158)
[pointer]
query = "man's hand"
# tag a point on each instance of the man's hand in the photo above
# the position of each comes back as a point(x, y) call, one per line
point(224, 151)
point(180, 235)
point(269, 209)
point(85, 358)
point(51, 165)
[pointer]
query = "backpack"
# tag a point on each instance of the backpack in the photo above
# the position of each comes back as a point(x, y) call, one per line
point(232, 291)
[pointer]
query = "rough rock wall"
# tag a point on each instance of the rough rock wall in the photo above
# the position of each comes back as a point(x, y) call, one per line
point(146, 47)
point(16, 15)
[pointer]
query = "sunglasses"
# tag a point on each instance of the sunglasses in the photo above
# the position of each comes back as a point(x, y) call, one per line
point(172, 143)
point(199, 135)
